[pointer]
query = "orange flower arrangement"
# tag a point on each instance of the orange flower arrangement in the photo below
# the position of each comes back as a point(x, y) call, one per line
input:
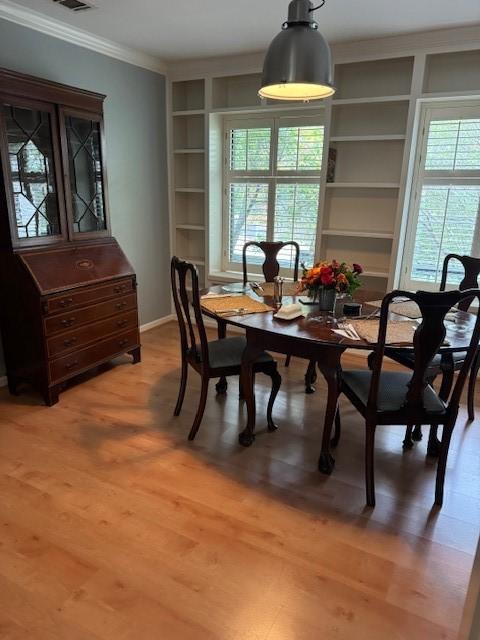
point(330, 275)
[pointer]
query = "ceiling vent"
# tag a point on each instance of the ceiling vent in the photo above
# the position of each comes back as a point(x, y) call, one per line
point(74, 5)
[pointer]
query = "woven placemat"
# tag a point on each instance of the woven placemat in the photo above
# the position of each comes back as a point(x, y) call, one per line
point(235, 305)
point(398, 331)
point(409, 309)
point(289, 289)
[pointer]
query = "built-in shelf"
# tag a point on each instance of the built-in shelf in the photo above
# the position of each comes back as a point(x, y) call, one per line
point(191, 227)
point(455, 72)
point(189, 190)
point(278, 106)
point(350, 233)
point(188, 112)
point(376, 138)
point(399, 98)
point(182, 151)
point(363, 185)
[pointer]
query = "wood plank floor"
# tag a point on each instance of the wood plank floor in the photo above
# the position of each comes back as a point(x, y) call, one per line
point(113, 526)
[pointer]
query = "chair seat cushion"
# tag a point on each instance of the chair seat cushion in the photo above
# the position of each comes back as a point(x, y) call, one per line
point(408, 357)
point(228, 353)
point(392, 390)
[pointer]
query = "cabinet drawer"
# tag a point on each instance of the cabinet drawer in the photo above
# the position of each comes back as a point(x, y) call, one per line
point(73, 340)
point(75, 318)
point(65, 367)
point(88, 295)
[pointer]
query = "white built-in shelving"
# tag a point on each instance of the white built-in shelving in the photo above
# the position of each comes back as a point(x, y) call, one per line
point(370, 124)
point(188, 171)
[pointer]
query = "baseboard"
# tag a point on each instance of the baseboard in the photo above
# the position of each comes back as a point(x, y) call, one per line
point(157, 323)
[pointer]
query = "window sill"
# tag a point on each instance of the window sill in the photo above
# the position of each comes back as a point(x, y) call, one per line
point(235, 276)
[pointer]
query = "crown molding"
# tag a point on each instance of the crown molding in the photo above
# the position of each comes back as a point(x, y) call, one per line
point(34, 20)
point(450, 39)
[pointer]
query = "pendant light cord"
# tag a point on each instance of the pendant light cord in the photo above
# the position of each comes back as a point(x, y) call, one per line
point(318, 6)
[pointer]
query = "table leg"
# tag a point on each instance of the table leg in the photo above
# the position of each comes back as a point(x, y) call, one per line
point(247, 382)
point(222, 385)
point(329, 365)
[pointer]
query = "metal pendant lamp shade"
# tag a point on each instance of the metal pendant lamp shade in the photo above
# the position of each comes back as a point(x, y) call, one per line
point(298, 63)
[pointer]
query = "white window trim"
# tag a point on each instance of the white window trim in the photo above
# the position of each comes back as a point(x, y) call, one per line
point(270, 177)
point(432, 110)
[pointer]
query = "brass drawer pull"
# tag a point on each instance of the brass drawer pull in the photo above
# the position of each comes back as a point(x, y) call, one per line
point(120, 288)
point(65, 302)
point(67, 322)
point(122, 343)
point(121, 305)
point(70, 365)
point(122, 323)
point(69, 342)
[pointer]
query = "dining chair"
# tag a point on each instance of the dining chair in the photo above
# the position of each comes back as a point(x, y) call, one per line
point(214, 358)
point(270, 265)
point(407, 398)
point(271, 268)
point(447, 364)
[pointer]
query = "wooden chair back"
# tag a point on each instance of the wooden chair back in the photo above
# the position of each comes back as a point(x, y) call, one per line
point(427, 340)
point(271, 266)
point(193, 337)
point(471, 270)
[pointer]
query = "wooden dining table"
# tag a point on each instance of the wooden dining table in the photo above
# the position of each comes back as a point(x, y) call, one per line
point(311, 337)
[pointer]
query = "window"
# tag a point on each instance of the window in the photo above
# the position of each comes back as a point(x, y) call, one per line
point(271, 186)
point(445, 206)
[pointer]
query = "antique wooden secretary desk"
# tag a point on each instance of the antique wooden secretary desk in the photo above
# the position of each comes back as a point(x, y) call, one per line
point(68, 293)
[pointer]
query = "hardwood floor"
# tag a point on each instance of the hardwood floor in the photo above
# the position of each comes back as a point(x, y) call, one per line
point(113, 526)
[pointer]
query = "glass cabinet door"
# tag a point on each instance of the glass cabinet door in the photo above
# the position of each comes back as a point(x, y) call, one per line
point(36, 215)
point(86, 203)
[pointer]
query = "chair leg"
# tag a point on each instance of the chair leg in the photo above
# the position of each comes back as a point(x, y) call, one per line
point(287, 361)
point(276, 382)
point(183, 386)
point(338, 429)
point(417, 434)
point(369, 464)
point(222, 386)
point(434, 445)
point(200, 410)
point(442, 464)
point(310, 377)
point(408, 442)
point(471, 387)
point(371, 360)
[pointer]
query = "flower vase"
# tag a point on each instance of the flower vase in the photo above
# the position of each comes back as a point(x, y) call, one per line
point(326, 299)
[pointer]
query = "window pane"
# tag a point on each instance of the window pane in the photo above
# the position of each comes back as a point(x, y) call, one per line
point(248, 209)
point(250, 149)
point(86, 179)
point(30, 150)
point(453, 145)
point(300, 149)
point(296, 212)
point(446, 224)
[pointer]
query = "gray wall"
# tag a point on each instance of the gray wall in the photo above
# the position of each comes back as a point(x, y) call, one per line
point(135, 126)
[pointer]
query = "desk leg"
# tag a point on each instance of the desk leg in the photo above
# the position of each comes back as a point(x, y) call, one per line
point(329, 365)
point(247, 382)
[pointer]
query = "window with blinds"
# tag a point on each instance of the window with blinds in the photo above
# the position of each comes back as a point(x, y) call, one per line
point(445, 206)
point(272, 186)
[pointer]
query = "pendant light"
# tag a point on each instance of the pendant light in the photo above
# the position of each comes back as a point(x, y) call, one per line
point(298, 63)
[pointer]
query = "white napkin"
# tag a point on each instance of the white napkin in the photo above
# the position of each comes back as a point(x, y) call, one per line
point(288, 311)
point(351, 334)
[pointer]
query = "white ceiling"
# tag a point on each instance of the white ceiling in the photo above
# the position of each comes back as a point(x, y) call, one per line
point(182, 29)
